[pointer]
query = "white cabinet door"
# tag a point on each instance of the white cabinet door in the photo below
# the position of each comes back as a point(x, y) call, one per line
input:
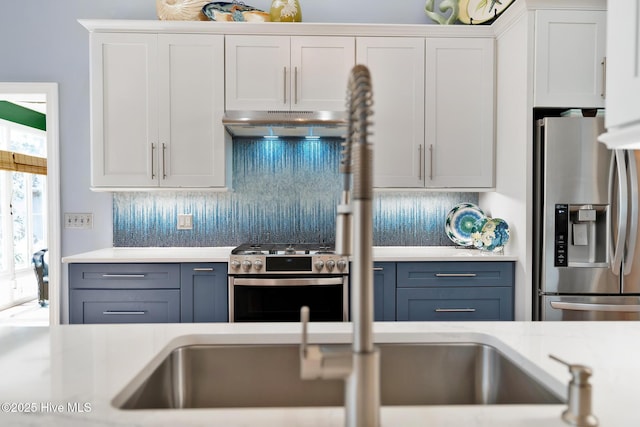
point(287, 73)
point(397, 77)
point(569, 58)
point(321, 67)
point(623, 63)
point(157, 103)
point(124, 103)
point(191, 104)
point(459, 112)
point(256, 73)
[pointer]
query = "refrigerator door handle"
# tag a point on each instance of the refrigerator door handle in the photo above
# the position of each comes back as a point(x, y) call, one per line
point(577, 306)
point(617, 247)
point(633, 217)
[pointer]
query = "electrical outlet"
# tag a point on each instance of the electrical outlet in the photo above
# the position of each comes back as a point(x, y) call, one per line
point(78, 220)
point(185, 221)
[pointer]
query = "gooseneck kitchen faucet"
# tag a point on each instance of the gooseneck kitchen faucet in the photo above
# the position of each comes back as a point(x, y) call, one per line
point(360, 368)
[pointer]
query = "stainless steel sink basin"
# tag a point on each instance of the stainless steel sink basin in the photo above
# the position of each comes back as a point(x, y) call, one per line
point(232, 376)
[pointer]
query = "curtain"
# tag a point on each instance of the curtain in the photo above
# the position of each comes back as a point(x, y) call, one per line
point(18, 162)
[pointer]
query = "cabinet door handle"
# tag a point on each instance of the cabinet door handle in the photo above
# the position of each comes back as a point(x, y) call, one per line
point(456, 274)
point(284, 84)
point(454, 310)
point(378, 268)
point(295, 85)
point(603, 94)
point(153, 169)
point(124, 276)
point(420, 162)
point(430, 162)
point(203, 269)
point(164, 171)
point(122, 313)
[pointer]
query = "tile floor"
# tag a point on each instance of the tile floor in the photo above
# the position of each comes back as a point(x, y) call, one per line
point(27, 314)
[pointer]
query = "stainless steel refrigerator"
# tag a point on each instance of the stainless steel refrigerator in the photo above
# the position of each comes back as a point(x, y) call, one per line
point(586, 259)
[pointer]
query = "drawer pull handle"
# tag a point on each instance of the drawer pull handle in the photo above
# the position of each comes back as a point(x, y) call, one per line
point(203, 269)
point(420, 162)
point(378, 268)
point(153, 150)
point(295, 86)
point(118, 313)
point(284, 85)
point(603, 92)
point(124, 276)
point(456, 274)
point(454, 310)
point(431, 162)
point(164, 162)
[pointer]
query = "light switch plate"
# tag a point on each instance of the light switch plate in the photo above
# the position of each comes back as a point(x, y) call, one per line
point(185, 221)
point(78, 220)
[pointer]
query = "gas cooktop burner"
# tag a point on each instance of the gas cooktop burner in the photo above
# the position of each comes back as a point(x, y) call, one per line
point(283, 249)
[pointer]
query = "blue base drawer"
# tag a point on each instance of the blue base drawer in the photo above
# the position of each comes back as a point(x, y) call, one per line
point(444, 304)
point(454, 273)
point(118, 276)
point(127, 306)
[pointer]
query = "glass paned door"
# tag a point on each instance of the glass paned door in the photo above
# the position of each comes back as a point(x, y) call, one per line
point(23, 216)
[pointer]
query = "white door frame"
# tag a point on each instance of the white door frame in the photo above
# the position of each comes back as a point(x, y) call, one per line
point(53, 186)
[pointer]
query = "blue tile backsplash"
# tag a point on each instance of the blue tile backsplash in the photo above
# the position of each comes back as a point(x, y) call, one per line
point(284, 190)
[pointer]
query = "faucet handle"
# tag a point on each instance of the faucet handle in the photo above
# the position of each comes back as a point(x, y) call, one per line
point(315, 362)
point(579, 411)
point(304, 319)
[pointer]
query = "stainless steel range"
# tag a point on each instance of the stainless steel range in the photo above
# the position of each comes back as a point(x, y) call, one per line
point(271, 282)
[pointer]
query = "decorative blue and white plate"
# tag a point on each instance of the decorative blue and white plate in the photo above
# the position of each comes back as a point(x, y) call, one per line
point(461, 223)
point(494, 234)
point(476, 233)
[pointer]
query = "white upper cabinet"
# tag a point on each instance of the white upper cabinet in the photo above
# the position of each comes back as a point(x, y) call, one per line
point(397, 77)
point(432, 124)
point(191, 106)
point(305, 73)
point(622, 119)
point(156, 106)
point(623, 64)
point(570, 58)
point(124, 109)
point(459, 121)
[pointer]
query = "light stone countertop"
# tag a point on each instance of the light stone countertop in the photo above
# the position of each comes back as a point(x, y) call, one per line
point(221, 254)
point(74, 365)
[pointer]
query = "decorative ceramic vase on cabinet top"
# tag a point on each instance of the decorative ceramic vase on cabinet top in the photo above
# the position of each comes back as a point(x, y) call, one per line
point(285, 11)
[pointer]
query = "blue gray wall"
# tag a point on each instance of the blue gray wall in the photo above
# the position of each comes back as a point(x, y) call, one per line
point(283, 191)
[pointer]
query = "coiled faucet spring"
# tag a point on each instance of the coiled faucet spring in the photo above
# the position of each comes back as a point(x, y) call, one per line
point(359, 102)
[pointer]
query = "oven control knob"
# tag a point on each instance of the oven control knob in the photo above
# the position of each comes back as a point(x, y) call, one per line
point(319, 264)
point(342, 265)
point(330, 265)
point(235, 264)
point(257, 265)
point(246, 265)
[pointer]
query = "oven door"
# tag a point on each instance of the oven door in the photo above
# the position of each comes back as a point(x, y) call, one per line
point(279, 299)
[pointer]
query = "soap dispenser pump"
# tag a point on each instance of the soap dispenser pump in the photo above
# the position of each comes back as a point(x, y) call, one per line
point(579, 411)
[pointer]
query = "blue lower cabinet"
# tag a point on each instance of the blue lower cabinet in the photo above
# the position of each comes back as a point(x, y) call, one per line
point(203, 292)
point(384, 291)
point(455, 290)
point(124, 293)
point(442, 304)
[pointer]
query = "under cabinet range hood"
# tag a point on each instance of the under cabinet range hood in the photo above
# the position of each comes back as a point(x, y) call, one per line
point(331, 124)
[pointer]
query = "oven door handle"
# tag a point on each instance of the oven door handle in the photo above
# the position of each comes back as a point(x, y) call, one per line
point(307, 281)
